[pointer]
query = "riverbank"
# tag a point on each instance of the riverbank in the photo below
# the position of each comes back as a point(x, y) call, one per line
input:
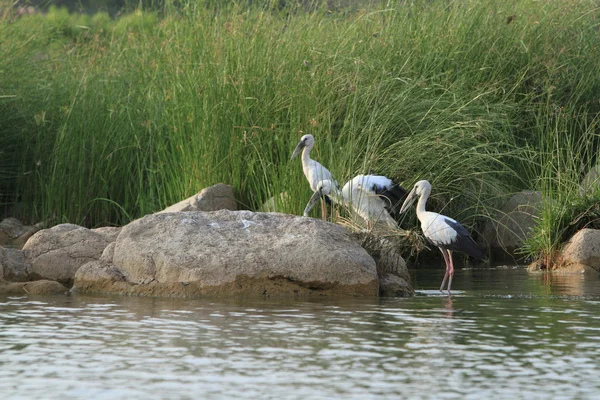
point(104, 120)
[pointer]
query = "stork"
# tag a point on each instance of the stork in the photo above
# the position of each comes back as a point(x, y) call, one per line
point(443, 232)
point(373, 197)
point(313, 171)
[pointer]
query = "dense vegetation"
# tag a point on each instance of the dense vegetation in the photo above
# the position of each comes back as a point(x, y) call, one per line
point(103, 120)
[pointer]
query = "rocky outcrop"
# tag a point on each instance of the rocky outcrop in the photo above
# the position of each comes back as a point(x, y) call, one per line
point(226, 253)
point(581, 253)
point(57, 253)
point(14, 233)
point(13, 267)
point(508, 230)
point(213, 198)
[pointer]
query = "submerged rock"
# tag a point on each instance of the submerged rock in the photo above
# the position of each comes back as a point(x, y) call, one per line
point(42, 287)
point(58, 252)
point(509, 229)
point(213, 198)
point(228, 252)
point(581, 253)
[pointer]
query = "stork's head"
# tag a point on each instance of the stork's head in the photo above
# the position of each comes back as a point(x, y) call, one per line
point(323, 189)
point(421, 188)
point(305, 141)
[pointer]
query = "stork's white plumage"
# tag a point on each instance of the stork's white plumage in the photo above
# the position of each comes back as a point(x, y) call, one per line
point(313, 170)
point(373, 197)
point(443, 232)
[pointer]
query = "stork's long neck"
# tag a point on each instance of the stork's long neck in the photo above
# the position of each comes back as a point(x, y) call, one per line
point(421, 204)
point(306, 156)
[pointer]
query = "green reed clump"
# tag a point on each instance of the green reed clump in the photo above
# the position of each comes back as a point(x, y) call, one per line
point(106, 120)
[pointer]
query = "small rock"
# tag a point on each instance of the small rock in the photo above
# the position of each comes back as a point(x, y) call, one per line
point(213, 198)
point(13, 267)
point(582, 252)
point(391, 285)
point(14, 233)
point(58, 252)
point(42, 287)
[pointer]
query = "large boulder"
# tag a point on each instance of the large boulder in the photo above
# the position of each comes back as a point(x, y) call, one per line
point(213, 198)
point(14, 233)
point(581, 253)
point(57, 253)
point(12, 265)
point(509, 229)
point(190, 254)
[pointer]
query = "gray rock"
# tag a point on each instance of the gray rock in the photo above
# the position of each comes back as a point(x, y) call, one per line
point(190, 254)
point(213, 198)
point(12, 265)
point(108, 253)
point(591, 182)
point(507, 232)
point(582, 252)
point(109, 233)
point(391, 285)
point(14, 233)
point(57, 253)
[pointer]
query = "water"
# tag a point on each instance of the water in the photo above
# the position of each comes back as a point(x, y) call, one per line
point(503, 334)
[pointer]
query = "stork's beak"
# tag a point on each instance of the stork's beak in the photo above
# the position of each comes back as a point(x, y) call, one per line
point(410, 199)
point(298, 149)
point(311, 203)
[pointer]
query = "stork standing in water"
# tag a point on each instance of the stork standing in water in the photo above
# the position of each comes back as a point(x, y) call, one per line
point(313, 171)
point(443, 232)
point(373, 197)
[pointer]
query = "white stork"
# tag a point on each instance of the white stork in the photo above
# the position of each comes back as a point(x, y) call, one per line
point(313, 171)
point(373, 197)
point(443, 232)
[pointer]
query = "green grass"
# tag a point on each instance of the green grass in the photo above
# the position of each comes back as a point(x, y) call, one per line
point(103, 121)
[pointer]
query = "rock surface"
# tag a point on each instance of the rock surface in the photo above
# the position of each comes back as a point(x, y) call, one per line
point(57, 253)
point(582, 252)
point(213, 198)
point(391, 285)
point(13, 267)
point(109, 233)
point(510, 227)
point(190, 254)
point(391, 267)
point(14, 233)
point(42, 287)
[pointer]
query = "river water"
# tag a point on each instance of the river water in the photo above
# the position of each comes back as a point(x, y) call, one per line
point(503, 334)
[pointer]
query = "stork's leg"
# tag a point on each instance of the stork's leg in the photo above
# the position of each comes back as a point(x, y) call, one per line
point(323, 210)
point(447, 268)
point(451, 272)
